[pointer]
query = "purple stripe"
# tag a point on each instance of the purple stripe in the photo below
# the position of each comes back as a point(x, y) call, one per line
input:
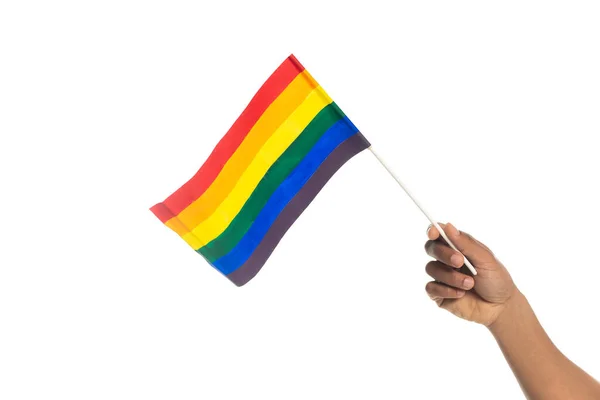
point(296, 207)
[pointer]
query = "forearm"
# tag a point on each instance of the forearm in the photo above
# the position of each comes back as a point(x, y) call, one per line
point(541, 369)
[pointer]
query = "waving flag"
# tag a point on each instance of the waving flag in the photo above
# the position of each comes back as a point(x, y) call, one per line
point(274, 160)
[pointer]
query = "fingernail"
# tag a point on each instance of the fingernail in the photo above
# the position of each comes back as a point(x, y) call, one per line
point(428, 229)
point(456, 260)
point(468, 282)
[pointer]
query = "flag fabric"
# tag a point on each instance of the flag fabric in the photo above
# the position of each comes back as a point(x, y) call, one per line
point(266, 170)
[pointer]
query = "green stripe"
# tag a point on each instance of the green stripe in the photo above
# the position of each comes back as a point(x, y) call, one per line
point(280, 169)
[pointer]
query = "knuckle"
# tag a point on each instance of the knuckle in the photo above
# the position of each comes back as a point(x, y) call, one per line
point(451, 292)
point(432, 248)
point(447, 291)
point(457, 279)
point(430, 267)
point(430, 287)
point(428, 245)
point(483, 246)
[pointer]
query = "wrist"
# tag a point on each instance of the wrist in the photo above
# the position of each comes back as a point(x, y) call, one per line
point(514, 308)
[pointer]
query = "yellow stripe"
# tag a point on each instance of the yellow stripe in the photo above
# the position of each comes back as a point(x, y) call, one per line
point(272, 118)
point(283, 137)
point(182, 231)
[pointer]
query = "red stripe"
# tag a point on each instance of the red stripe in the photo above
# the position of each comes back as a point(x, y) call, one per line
point(197, 185)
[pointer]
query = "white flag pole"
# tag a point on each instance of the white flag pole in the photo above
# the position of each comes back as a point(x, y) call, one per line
point(433, 222)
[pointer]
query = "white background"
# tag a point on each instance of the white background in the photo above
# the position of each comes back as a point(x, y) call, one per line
point(489, 111)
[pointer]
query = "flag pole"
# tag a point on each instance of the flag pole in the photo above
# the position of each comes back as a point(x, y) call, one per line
point(433, 222)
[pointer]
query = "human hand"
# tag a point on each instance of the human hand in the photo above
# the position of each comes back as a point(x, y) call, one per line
point(481, 298)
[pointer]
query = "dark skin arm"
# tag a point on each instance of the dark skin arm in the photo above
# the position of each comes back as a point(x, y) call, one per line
point(492, 299)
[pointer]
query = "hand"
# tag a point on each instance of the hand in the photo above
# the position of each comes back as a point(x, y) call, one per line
point(479, 299)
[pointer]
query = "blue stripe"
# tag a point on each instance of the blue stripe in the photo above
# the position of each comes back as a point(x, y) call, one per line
point(338, 133)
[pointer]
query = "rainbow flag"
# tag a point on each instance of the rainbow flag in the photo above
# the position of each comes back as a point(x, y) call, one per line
point(274, 160)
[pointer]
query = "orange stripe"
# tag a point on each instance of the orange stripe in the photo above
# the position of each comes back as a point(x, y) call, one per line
point(267, 124)
point(197, 185)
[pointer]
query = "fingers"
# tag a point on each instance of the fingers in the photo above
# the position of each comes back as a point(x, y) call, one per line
point(448, 276)
point(471, 248)
point(443, 253)
point(438, 291)
point(467, 245)
point(432, 232)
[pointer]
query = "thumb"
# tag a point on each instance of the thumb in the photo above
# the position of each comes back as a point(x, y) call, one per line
point(475, 251)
